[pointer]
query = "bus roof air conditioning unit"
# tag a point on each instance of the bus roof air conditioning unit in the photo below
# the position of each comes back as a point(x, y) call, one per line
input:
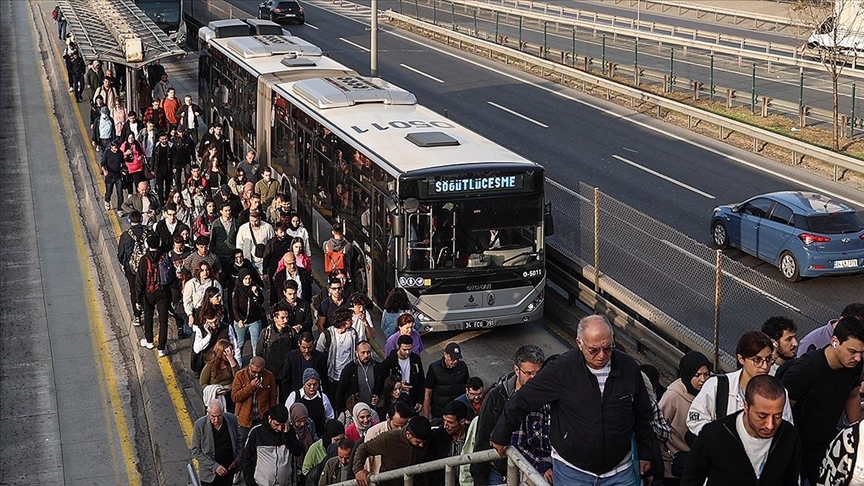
point(343, 91)
point(271, 45)
point(432, 139)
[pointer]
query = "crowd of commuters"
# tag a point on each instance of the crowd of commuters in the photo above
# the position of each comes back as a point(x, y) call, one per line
point(213, 245)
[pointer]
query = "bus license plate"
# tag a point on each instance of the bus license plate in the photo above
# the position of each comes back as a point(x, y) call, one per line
point(485, 324)
point(846, 263)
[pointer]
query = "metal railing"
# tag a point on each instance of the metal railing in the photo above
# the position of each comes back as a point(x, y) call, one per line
point(663, 34)
point(614, 89)
point(519, 470)
point(737, 16)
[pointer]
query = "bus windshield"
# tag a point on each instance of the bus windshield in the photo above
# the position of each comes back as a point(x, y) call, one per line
point(161, 12)
point(499, 231)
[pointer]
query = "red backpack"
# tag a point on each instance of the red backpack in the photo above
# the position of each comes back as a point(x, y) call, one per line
point(334, 260)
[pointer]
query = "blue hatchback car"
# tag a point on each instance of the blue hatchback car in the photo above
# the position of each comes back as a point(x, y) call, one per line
point(803, 233)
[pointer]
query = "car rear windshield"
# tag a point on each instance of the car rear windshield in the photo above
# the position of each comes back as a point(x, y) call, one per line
point(289, 5)
point(835, 223)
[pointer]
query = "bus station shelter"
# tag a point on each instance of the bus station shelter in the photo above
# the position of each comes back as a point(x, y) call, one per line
point(117, 31)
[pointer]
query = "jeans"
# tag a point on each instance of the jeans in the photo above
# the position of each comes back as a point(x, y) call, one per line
point(156, 302)
point(114, 185)
point(254, 329)
point(563, 474)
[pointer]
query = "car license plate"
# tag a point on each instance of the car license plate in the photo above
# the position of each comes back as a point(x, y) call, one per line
point(846, 263)
point(485, 324)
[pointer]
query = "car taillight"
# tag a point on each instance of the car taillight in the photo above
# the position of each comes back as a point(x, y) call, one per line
point(277, 10)
point(302, 9)
point(808, 238)
point(861, 236)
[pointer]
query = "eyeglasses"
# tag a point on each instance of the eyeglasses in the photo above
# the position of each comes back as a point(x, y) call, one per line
point(529, 374)
point(760, 361)
point(335, 288)
point(595, 350)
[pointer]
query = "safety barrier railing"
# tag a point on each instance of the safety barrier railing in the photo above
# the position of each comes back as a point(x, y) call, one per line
point(725, 126)
point(702, 10)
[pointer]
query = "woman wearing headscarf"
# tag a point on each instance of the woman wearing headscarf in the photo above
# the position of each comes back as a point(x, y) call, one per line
point(318, 452)
point(305, 431)
point(693, 371)
point(362, 422)
point(246, 301)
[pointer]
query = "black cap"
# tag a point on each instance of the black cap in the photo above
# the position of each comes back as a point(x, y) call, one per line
point(454, 350)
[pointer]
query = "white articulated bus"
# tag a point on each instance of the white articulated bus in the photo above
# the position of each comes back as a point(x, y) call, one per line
point(430, 206)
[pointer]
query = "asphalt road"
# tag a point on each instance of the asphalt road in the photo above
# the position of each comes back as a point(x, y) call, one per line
point(579, 138)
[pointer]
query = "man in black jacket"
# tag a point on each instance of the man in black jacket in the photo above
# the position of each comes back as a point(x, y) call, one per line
point(163, 166)
point(155, 294)
point(445, 381)
point(527, 363)
point(364, 375)
point(752, 447)
point(133, 236)
point(305, 356)
point(404, 359)
point(184, 156)
point(112, 169)
point(274, 344)
point(271, 449)
point(598, 402)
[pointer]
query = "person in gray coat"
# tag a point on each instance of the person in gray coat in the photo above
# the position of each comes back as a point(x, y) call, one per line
point(216, 445)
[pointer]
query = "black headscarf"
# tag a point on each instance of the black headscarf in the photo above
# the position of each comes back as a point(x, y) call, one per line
point(689, 365)
point(333, 428)
point(240, 287)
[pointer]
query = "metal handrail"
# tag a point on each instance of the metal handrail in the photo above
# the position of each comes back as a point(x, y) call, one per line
point(737, 14)
point(769, 51)
point(516, 464)
point(798, 147)
point(192, 476)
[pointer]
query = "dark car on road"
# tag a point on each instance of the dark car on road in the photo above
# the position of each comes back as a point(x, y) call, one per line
point(282, 11)
point(804, 234)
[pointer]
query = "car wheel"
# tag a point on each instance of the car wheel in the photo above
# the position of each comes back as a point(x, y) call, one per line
point(789, 267)
point(302, 21)
point(720, 235)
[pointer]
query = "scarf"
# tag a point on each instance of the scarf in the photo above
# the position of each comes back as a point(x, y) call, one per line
point(359, 407)
point(297, 412)
point(687, 368)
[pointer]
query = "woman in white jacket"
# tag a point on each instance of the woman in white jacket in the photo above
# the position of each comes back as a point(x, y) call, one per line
point(193, 291)
point(755, 354)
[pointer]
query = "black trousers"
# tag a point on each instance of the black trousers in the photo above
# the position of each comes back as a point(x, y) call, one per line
point(133, 293)
point(156, 302)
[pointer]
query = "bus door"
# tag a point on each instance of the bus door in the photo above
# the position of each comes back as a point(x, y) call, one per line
point(308, 172)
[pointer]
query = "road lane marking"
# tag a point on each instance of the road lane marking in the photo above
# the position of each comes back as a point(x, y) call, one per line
point(664, 177)
point(104, 368)
point(741, 281)
point(307, 24)
point(421, 73)
point(516, 113)
point(628, 118)
point(358, 46)
point(168, 375)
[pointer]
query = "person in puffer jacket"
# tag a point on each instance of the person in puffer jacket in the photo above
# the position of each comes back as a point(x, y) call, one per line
point(271, 449)
point(103, 130)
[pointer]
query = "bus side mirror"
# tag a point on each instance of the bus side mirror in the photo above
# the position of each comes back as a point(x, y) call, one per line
point(548, 221)
point(397, 225)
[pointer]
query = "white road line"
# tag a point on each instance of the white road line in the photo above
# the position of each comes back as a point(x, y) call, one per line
point(627, 118)
point(421, 73)
point(750, 286)
point(310, 26)
point(516, 113)
point(664, 177)
point(358, 46)
point(630, 150)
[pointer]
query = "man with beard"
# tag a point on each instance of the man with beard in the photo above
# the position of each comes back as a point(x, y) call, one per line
point(271, 449)
point(364, 376)
point(784, 334)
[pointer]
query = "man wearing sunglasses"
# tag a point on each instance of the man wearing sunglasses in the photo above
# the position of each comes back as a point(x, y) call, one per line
point(598, 403)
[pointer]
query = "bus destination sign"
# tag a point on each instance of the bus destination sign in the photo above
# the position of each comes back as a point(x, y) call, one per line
point(476, 184)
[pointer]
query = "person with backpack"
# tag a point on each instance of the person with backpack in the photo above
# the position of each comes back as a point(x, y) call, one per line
point(131, 248)
point(338, 252)
point(154, 278)
point(274, 344)
point(338, 343)
point(723, 395)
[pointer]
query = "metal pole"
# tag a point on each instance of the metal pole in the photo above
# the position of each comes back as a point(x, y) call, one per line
point(416, 10)
point(801, 89)
point(671, 68)
point(373, 44)
point(636, 56)
point(434, 14)
point(718, 275)
point(596, 240)
point(711, 76)
point(604, 54)
point(475, 22)
point(573, 48)
point(497, 15)
point(852, 121)
point(753, 90)
point(132, 90)
point(520, 33)
point(453, 14)
point(545, 38)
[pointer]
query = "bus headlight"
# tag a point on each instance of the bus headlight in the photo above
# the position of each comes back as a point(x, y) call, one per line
point(423, 317)
point(536, 302)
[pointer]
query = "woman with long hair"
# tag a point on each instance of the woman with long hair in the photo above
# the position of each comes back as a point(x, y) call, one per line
point(395, 305)
point(297, 230)
point(133, 157)
point(213, 169)
point(184, 212)
point(201, 225)
point(298, 247)
point(220, 370)
point(391, 392)
point(119, 114)
point(193, 292)
point(246, 302)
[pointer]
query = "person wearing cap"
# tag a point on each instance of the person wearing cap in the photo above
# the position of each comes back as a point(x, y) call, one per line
point(445, 381)
point(271, 449)
point(216, 445)
point(252, 238)
point(398, 448)
point(103, 130)
point(317, 403)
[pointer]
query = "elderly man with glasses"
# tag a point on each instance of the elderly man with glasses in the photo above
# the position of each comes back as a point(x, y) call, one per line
point(216, 445)
point(598, 403)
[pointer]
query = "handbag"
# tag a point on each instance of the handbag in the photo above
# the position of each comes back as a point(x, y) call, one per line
point(258, 248)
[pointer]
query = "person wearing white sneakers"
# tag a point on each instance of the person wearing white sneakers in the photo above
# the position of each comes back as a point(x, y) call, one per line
point(154, 271)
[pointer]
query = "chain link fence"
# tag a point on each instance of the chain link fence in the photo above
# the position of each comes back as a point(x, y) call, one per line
point(671, 271)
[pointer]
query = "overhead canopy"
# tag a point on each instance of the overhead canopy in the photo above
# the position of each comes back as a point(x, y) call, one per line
point(116, 31)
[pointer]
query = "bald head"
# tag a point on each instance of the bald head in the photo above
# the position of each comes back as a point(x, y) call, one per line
point(596, 339)
point(257, 362)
